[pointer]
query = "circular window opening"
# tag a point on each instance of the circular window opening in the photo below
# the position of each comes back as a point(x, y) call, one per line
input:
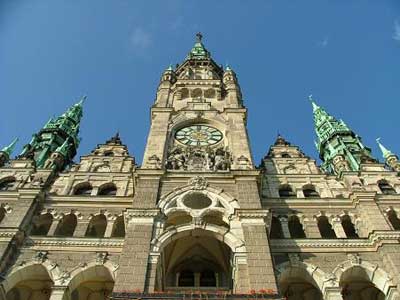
point(197, 201)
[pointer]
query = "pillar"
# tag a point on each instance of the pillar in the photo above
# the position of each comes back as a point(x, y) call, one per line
point(240, 273)
point(80, 228)
point(285, 226)
point(333, 293)
point(57, 293)
point(109, 228)
point(53, 227)
point(338, 228)
point(134, 274)
point(311, 229)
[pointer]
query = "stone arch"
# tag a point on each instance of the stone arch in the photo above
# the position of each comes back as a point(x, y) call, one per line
point(310, 274)
point(276, 231)
point(385, 187)
point(375, 274)
point(42, 224)
point(67, 225)
point(393, 217)
point(310, 191)
point(118, 227)
point(286, 191)
point(325, 227)
point(296, 227)
point(107, 189)
point(30, 271)
point(97, 226)
point(7, 183)
point(92, 272)
point(82, 189)
point(218, 232)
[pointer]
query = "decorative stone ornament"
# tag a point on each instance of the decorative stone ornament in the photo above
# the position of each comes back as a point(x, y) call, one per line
point(198, 183)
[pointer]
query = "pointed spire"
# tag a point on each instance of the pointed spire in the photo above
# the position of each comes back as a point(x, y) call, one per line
point(280, 141)
point(10, 148)
point(198, 51)
point(63, 149)
point(314, 105)
point(385, 152)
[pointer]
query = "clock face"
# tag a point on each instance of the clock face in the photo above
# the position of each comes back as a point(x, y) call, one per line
point(198, 135)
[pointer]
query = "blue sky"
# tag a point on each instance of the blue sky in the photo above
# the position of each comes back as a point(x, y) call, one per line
point(346, 53)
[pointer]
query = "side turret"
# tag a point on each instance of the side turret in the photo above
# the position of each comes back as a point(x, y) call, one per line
point(232, 88)
point(391, 159)
point(55, 145)
point(5, 153)
point(339, 147)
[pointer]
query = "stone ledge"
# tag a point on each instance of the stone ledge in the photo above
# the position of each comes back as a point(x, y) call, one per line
point(74, 242)
point(372, 243)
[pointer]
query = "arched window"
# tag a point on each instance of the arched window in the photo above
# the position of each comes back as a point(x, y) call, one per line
point(83, 189)
point(108, 190)
point(108, 153)
point(393, 219)
point(286, 191)
point(196, 93)
point(349, 227)
point(2, 213)
point(325, 228)
point(210, 93)
point(7, 184)
point(42, 225)
point(276, 229)
point(310, 192)
point(67, 226)
point(285, 155)
point(119, 227)
point(184, 93)
point(97, 226)
point(296, 228)
point(386, 188)
point(207, 278)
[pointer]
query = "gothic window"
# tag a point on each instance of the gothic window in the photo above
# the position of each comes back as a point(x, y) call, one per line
point(83, 189)
point(386, 188)
point(184, 93)
point(119, 227)
point(67, 226)
point(97, 226)
point(210, 93)
point(310, 192)
point(286, 191)
point(197, 93)
point(349, 227)
point(394, 219)
point(276, 229)
point(325, 228)
point(7, 184)
point(2, 213)
point(296, 228)
point(108, 190)
point(42, 225)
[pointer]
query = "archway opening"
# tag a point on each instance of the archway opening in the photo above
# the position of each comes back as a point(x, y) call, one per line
point(42, 225)
point(195, 262)
point(356, 285)
point(95, 283)
point(325, 228)
point(97, 226)
point(67, 225)
point(32, 282)
point(296, 228)
point(297, 284)
point(276, 229)
point(119, 227)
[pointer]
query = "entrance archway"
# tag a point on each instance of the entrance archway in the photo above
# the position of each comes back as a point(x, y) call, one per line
point(31, 282)
point(196, 262)
point(356, 285)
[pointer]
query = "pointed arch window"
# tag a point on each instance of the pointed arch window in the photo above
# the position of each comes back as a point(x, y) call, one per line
point(394, 219)
point(348, 227)
point(386, 188)
point(7, 184)
point(97, 226)
point(119, 227)
point(325, 228)
point(309, 191)
point(286, 191)
point(296, 228)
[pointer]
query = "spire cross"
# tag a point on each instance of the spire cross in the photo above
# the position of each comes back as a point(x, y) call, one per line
point(199, 37)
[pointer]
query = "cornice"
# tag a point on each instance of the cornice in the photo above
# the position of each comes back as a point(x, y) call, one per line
point(110, 201)
point(62, 242)
point(372, 243)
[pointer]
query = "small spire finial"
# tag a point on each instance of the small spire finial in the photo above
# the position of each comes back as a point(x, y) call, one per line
point(82, 100)
point(385, 152)
point(314, 105)
point(199, 37)
point(10, 148)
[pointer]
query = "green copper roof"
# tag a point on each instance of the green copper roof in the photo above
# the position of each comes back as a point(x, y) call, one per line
point(64, 148)
point(385, 152)
point(198, 51)
point(10, 148)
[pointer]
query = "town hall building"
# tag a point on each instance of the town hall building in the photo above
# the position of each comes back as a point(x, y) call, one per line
point(198, 218)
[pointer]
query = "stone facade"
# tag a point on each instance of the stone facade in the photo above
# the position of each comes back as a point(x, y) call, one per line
point(198, 217)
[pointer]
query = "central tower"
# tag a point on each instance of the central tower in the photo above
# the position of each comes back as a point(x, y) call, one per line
point(197, 220)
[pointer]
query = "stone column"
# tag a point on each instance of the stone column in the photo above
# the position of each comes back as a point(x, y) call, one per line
point(338, 228)
point(80, 229)
point(53, 227)
point(57, 293)
point(285, 226)
point(240, 273)
point(311, 229)
point(333, 293)
point(259, 260)
point(109, 228)
point(134, 273)
point(152, 273)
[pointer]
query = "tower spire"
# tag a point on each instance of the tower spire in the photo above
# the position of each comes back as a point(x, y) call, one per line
point(6, 152)
point(339, 147)
point(58, 134)
point(391, 159)
point(198, 51)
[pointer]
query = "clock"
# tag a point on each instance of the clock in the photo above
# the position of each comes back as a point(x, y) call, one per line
point(198, 135)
